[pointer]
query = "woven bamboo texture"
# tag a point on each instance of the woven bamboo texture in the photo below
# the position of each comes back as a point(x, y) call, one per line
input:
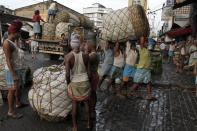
point(123, 24)
point(62, 16)
point(48, 31)
point(61, 28)
point(48, 95)
point(85, 22)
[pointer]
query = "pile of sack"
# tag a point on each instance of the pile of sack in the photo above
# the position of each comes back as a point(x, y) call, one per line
point(48, 95)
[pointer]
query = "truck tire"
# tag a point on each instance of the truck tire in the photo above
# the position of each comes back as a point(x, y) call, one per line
point(54, 57)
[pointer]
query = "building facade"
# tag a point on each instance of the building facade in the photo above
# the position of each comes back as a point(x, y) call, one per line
point(176, 22)
point(5, 10)
point(28, 11)
point(96, 13)
point(139, 2)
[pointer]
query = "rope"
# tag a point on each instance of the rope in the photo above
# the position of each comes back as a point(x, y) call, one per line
point(129, 22)
point(52, 104)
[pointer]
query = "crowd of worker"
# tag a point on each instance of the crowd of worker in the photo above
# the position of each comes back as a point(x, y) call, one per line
point(120, 66)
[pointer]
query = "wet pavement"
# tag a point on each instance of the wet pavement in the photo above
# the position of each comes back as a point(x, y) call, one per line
point(174, 110)
point(169, 78)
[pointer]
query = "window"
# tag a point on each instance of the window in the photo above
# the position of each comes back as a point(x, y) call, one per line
point(183, 10)
point(98, 15)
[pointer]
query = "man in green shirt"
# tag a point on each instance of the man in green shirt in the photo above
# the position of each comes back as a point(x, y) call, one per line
point(143, 72)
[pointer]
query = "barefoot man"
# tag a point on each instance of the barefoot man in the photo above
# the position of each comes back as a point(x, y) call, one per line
point(116, 70)
point(108, 62)
point(13, 64)
point(131, 61)
point(143, 71)
point(77, 78)
point(94, 77)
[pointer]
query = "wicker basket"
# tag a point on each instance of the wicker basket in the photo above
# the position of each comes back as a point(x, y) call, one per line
point(61, 28)
point(48, 95)
point(48, 31)
point(85, 22)
point(62, 16)
point(2, 70)
point(127, 23)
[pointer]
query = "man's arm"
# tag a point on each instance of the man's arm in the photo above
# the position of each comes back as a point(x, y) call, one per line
point(87, 64)
point(116, 47)
point(7, 51)
point(67, 66)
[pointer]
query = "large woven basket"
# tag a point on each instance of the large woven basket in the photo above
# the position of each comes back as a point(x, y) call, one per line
point(74, 20)
point(62, 16)
point(123, 24)
point(61, 28)
point(85, 22)
point(48, 31)
point(48, 95)
point(2, 70)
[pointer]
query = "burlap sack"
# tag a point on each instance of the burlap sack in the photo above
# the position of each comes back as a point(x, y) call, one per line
point(48, 31)
point(127, 23)
point(48, 95)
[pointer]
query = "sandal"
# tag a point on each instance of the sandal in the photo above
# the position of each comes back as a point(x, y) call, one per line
point(15, 116)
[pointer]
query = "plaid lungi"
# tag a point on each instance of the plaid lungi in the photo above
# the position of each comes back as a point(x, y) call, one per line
point(142, 76)
point(116, 72)
point(79, 91)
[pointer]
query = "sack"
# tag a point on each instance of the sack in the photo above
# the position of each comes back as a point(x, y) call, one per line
point(48, 95)
point(2, 70)
point(48, 31)
point(123, 24)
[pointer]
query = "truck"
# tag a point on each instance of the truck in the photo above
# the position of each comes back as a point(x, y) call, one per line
point(53, 48)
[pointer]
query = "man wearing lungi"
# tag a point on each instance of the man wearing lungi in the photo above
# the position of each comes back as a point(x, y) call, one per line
point(143, 71)
point(93, 71)
point(116, 70)
point(77, 78)
point(13, 64)
point(36, 27)
point(108, 62)
point(131, 61)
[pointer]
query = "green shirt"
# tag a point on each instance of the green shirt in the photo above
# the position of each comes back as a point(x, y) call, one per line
point(145, 59)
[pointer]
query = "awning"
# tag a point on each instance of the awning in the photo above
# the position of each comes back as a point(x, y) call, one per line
point(184, 3)
point(6, 18)
point(179, 32)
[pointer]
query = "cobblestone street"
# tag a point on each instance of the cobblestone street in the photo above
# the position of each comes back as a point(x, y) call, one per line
point(174, 110)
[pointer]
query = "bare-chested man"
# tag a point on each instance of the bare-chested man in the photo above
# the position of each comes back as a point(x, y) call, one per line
point(93, 71)
point(116, 70)
point(78, 83)
point(108, 62)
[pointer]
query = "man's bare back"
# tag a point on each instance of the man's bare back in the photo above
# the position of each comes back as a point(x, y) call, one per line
point(70, 60)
